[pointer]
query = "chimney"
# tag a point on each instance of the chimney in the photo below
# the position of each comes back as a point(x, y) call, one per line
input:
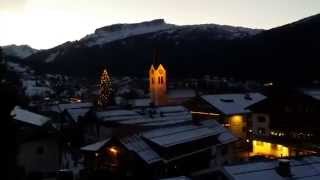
point(283, 168)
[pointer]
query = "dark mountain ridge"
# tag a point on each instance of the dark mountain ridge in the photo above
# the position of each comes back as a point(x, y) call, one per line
point(287, 53)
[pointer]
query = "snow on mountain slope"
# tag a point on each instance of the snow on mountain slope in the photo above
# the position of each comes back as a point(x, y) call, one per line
point(217, 31)
point(121, 31)
point(22, 51)
point(156, 30)
point(51, 57)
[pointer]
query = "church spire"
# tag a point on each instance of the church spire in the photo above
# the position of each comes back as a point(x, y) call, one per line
point(158, 81)
point(156, 56)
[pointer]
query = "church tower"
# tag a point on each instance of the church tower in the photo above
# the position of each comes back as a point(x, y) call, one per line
point(158, 84)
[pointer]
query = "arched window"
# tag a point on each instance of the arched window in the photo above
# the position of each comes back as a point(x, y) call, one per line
point(159, 82)
point(152, 80)
point(161, 79)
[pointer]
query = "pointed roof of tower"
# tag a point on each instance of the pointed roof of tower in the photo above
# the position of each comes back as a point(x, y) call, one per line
point(152, 68)
point(156, 59)
point(161, 68)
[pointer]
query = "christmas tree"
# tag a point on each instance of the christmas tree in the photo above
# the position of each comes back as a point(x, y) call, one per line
point(105, 89)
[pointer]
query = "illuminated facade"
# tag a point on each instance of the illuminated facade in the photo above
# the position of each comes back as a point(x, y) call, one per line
point(158, 85)
point(268, 149)
point(238, 125)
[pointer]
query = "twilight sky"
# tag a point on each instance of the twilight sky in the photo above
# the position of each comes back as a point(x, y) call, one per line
point(47, 23)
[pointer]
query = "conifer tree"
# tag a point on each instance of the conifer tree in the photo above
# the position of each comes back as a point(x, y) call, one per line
point(105, 89)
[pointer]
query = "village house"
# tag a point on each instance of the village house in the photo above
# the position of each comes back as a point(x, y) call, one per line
point(164, 151)
point(39, 148)
point(231, 110)
point(293, 115)
point(102, 124)
point(303, 168)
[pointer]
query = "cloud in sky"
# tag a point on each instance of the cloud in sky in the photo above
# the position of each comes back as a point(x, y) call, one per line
point(12, 5)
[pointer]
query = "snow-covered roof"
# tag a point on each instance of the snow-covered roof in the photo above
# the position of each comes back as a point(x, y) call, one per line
point(230, 104)
point(76, 113)
point(171, 109)
point(307, 168)
point(133, 143)
point(29, 117)
point(27, 83)
point(38, 91)
point(171, 136)
point(157, 121)
point(177, 178)
point(96, 146)
point(141, 148)
point(35, 88)
point(75, 106)
point(118, 115)
point(226, 137)
point(145, 102)
point(61, 107)
point(314, 93)
point(159, 116)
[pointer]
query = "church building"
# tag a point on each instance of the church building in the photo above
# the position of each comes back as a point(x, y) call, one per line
point(158, 85)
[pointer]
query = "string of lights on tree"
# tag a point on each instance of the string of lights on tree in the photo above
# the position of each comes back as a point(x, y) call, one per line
point(105, 88)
